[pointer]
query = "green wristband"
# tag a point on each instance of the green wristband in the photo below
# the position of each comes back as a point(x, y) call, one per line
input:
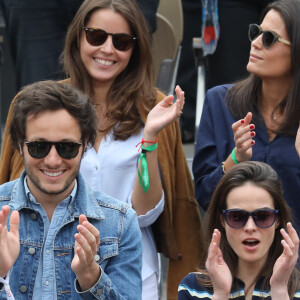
point(234, 157)
point(144, 178)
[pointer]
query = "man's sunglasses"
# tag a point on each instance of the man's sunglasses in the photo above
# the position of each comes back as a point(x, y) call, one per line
point(263, 218)
point(40, 149)
point(97, 37)
point(268, 37)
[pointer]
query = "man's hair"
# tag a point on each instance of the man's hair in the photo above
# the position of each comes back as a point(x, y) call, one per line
point(52, 96)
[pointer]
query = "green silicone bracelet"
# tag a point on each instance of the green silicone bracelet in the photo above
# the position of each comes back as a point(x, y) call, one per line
point(234, 157)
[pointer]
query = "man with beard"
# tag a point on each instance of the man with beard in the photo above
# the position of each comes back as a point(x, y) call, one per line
point(59, 239)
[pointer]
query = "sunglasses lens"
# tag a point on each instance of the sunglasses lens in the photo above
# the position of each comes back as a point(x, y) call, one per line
point(236, 219)
point(268, 39)
point(254, 32)
point(264, 218)
point(123, 42)
point(96, 37)
point(67, 150)
point(38, 149)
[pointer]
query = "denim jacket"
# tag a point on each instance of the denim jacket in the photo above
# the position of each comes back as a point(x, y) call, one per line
point(119, 255)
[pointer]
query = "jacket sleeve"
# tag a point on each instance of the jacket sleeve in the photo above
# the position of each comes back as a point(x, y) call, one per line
point(186, 222)
point(11, 162)
point(178, 231)
point(121, 277)
point(213, 144)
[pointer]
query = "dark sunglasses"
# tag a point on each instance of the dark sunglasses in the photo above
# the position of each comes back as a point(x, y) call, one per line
point(97, 37)
point(268, 37)
point(263, 218)
point(40, 149)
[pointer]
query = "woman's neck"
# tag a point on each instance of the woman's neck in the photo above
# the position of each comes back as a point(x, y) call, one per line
point(248, 271)
point(100, 92)
point(273, 93)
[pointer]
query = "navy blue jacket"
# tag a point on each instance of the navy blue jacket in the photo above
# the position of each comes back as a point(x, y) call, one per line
point(215, 142)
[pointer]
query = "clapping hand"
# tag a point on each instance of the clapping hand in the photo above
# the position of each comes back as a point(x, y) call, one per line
point(217, 268)
point(9, 240)
point(86, 245)
point(243, 138)
point(286, 262)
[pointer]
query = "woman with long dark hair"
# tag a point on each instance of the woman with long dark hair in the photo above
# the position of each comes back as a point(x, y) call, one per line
point(256, 118)
point(253, 247)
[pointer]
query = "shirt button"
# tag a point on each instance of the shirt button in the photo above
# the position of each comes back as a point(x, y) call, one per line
point(31, 250)
point(23, 289)
point(33, 217)
point(48, 251)
point(47, 282)
point(96, 257)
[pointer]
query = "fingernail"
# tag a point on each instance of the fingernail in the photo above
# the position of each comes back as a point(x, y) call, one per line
point(242, 121)
point(252, 133)
point(251, 126)
point(252, 142)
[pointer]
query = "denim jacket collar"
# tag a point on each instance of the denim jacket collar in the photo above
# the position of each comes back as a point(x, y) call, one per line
point(89, 208)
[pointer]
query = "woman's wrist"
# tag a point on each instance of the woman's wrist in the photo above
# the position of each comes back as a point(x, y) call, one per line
point(149, 139)
point(220, 296)
point(233, 157)
point(279, 292)
point(149, 133)
point(228, 164)
point(151, 136)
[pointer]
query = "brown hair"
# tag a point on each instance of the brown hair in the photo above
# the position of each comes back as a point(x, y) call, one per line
point(52, 95)
point(133, 88)
point(263, 176)
point(244, 95)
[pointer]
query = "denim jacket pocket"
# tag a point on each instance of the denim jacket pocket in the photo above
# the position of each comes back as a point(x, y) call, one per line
point(109, 247)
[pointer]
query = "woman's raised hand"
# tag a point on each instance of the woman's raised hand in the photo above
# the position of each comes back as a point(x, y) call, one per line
point(217, 268)
point(164, 113)
point(243, 138)
point(285, 263)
